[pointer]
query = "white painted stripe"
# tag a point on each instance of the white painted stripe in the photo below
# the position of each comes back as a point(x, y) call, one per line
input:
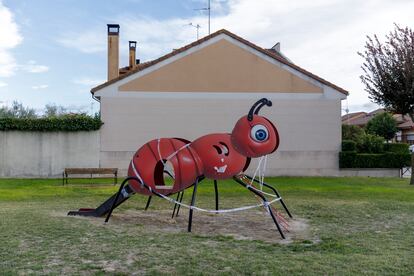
point(265, 203)
point(135, 171)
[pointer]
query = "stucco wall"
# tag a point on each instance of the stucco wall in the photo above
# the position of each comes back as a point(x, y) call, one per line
point(221, 67)
point(46, 154)
point(310, 129)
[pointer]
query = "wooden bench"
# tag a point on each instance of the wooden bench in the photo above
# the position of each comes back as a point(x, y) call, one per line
point(89, 171)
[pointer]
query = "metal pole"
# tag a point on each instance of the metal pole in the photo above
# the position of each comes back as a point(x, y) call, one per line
point(181, 200)
point(148, 203)
point(175, 205)
point(275, 191)
point(190, 218)
point(216, 194)
point(115, 200)
point(265, 202)
point(209, 16)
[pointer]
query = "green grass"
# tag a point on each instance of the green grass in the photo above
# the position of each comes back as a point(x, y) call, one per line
point(357, 226)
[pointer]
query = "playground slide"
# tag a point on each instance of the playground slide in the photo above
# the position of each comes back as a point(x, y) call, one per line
point(104, 208)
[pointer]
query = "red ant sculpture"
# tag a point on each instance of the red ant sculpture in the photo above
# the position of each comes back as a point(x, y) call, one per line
point(214, 156)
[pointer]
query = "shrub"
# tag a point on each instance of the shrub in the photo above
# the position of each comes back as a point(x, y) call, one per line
point(369, 160)
point(370, 143)
point(348, 145)
point(350, 132)
point(383, 124)
point(77, 122)
point(347, 159)
point(397, 160)
point(396, 148)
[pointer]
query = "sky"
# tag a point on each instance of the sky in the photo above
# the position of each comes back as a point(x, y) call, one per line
point(54, 51)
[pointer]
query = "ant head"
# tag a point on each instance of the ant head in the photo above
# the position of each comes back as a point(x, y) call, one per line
point(254, 135)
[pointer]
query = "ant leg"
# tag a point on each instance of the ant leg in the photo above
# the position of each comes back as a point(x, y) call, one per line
point(216, 193)
point(265, 203)
point(181, 200)
point(116, 199)
point(148, 203)
point(175, 205)
point(190, 218)
point(276, 193)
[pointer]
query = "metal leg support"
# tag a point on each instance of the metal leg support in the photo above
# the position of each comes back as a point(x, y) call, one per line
point(179, 206)
point(276, 193)
point(193, 198)
point(216, 194)
point(148, 203)
point(265, 202)
point(116, 199)
point(175, 205)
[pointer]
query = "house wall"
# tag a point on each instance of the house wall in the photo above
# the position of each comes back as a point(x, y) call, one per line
point(221, 67)
point(46, 154)
point(408, 136)
point(309, 128)
point(206, 89)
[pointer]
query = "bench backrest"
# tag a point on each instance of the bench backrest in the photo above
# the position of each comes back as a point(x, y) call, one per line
point(91, 170)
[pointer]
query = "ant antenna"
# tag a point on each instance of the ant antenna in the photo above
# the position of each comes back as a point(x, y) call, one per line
point(257, 106)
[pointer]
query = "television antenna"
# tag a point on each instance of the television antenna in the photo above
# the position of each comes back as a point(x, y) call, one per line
point(346, 109)
point(197, 27)
point(209, 14)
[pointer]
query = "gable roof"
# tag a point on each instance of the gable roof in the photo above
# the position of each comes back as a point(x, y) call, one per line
point(271, 54)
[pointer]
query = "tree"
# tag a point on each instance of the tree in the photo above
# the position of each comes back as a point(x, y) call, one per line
point(17, 110)
point(53, 110)
point(351, 132)
point(384, 125)
point(389, 72)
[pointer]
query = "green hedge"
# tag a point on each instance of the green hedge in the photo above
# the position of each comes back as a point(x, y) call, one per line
point(370, 160)
point(397, 147)
point(370, 143)
point(76, 122)
point(349, 145)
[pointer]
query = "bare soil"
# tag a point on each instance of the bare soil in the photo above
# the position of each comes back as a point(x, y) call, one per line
point(246, 225)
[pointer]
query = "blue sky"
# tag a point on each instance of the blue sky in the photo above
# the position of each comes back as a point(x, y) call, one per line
point(54, 51)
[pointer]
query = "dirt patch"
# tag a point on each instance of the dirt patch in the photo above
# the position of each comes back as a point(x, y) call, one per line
point(246, 225)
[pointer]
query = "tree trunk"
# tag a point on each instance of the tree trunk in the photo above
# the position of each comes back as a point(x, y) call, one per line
point(412, 158)
point(412, 169)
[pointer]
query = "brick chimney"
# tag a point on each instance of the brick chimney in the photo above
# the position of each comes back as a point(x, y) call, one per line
point(113, 51)
point(132, 54)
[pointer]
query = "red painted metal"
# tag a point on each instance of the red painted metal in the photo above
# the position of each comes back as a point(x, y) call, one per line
point(215, 156)
point(147, 162)
point(220, 159)
point(245, 144)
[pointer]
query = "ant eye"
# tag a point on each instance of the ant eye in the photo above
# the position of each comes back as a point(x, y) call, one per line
point(259, 133)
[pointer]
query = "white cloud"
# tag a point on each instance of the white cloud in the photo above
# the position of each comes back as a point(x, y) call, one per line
point(3, 84)
point(33, 67)
point(92, 41)
point(10, 38)
point(88, 81)
point(39, 87)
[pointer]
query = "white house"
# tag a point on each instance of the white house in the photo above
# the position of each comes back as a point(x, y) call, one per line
point(205, 87)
